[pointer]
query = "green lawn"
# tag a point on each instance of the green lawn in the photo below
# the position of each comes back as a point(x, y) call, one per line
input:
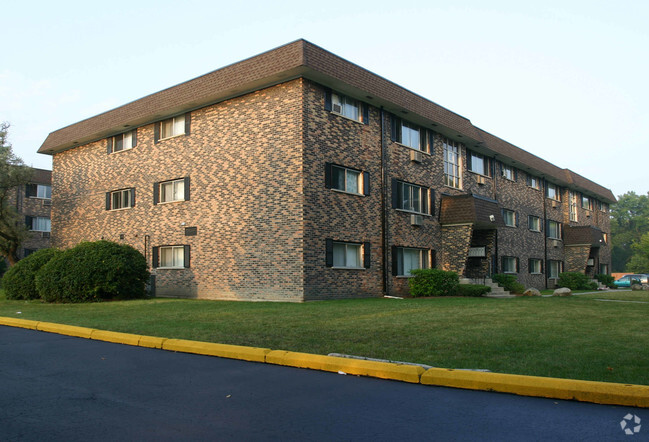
point(577, 337)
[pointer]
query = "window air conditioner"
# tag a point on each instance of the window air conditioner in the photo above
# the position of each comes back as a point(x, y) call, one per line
point(47, 202)
point(481, 180)
point(590, 262)
point(45, 234)
point(554, 204)
point(415, 156)
point(555, 243)
point(337, 108)
point(416, 220)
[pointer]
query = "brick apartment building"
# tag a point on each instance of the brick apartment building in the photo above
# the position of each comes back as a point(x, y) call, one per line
point(34, 203)
point(296, 175)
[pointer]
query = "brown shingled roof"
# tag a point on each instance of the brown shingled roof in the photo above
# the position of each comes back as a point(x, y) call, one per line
point(302, 59)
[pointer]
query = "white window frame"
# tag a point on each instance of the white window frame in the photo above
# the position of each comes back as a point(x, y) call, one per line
point(41, 224)
point(534, 223)
point(554, 268)
point(172, 127)
point(44, 191)
point(349, 107)
point(423, 260)
point(509, 213)
point(360, 185)
point(550, 229)
point(121, 196)
point(479, 159)
point(572, 197)
point(411, 136)
point(413, 198)
point(124, 139)
point(535, 262)
point(348, 249)
point(507, 262)
point(507, 172)
point(177, 254)
point(177, 187)
point(452, 166)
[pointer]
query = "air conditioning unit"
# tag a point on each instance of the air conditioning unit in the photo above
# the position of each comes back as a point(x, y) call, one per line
point(416, 220)
point(554, 204)
point(47, 202)
point(415, 156)
point(480, 180)
point(337, 108)
point(45, 234)
point(555, 243)
point(590, 262)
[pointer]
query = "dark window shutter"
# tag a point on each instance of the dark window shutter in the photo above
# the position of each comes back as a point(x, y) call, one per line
point(425, 193)
point(502, 263)
point(134, 138)
point(328, 175)
point(395, 261)
point(469, 164)
point(542, 227)
point(366, 183)
point(542, 265)
point(518, 265)
point(154, 258)
point(186, 256)
point(28, 221)
point(395, 128)
point(517, 218)
point(432, 201)
point(431, 141)
point(529, 265)
point(109, 145)
point(156, 132)
point(547, 228)
point(156, 190)
point(188, 123)
point(366, 114)
point(329, 252)
point(133, 197)
point(366, 255)
point(395, 193)
point(423, 139)
point(502, 169)
point(327, 94)
point(433, 259)
point(186, 188)
point(107, 200)
point(515, 174)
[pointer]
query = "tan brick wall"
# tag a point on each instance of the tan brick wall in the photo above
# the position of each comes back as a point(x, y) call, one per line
point(244, 159)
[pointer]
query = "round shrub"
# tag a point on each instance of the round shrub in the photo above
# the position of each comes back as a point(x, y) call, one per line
point(433, 282)
point(94, 271)
point(19, 281)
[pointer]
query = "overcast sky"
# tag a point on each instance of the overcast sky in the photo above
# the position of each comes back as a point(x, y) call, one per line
point(565, 80)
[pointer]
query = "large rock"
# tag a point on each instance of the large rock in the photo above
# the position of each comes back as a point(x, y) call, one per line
point(636, 286)
point(531, 292)
point(563, 291)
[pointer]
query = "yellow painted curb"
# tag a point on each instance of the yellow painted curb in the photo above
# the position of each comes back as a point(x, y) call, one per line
point(15, 322)
point(68, 330)
point(117, 337)
point(222, 350)
point(151, 341)
point(383, 370)
point(556, 388)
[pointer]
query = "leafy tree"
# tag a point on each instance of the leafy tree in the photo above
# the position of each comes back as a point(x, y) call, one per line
point(629, 221)
point(13, 173)
point(639, 262)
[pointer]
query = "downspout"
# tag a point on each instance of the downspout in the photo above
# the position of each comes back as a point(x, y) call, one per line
point(384, 228)
point(545, 235)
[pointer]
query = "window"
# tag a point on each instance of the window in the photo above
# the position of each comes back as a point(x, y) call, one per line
point(535, 266)
point(509, 264)
point(508, 172)
point(451, 164)
point(534, 223)
point(586, 203)
point(478, 163)
point(347, 255)
point(38, 223)
point(411, 135)
point(170, 191)
point(172, 127)
point(124, 141)
point(410, 197)
point(120, 199)
point(406, 259)
point(554, 268)
point(171, 257)
point(43, 191)
point(552, 191)
point(603, 269)
point(533, 182)
point(509, 216)
point(346, 106)
point(554, 229)
point(347, 180)
point(603, 207)
point(572, 197)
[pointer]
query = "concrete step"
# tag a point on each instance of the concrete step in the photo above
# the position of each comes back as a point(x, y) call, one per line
point(496, 290)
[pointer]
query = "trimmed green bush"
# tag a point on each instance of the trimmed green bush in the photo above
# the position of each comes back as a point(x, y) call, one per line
point(576, 281)
point(433, 282)
point(474, 290)
point(19, 281)
point(94, 271)
point(3, 268)
point(605, 279)
point(509, 283)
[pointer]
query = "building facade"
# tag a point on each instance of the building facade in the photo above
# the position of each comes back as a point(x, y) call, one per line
point(296, 175)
